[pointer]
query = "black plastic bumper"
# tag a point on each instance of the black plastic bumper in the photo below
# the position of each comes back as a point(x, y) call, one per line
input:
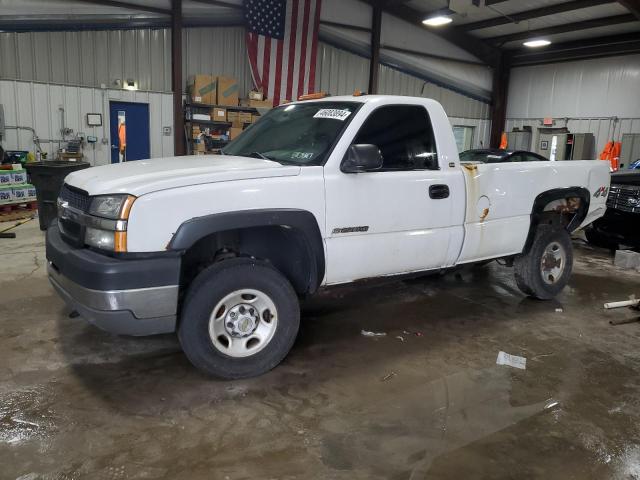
point(619, 227)
point(101, 272)
point(131, 296)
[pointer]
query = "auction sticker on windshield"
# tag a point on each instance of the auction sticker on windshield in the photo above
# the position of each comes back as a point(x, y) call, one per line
point(334, 113)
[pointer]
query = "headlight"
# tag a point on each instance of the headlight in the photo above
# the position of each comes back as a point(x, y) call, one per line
point(106, 226)
point(106, 239)
point(111, 206)
point(103, 239)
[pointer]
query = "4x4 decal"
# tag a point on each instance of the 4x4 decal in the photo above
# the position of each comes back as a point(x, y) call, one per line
point(601, 192)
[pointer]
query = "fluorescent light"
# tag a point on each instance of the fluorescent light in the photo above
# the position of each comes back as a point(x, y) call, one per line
point(536, 43)
point(437, 21)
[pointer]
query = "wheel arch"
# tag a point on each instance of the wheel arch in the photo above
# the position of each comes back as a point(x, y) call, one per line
point(548, 208)
point(289, 238)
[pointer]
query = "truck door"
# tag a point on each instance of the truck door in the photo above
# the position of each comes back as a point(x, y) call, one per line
point(404, 217)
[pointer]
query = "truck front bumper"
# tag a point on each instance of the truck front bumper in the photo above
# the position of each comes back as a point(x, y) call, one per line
point(127, 296)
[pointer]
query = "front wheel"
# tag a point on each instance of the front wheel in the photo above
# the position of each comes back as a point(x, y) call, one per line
point(240, 319)
point(545, 269)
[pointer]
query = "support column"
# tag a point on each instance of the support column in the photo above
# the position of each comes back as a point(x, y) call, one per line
point(176, 76)
point(374, 62)
point(499, 101)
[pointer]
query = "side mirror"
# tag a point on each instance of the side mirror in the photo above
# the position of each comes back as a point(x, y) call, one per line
point(362, 158)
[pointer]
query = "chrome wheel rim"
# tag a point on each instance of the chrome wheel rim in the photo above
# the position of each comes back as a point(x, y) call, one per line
point(552, 263)
point(243, 323)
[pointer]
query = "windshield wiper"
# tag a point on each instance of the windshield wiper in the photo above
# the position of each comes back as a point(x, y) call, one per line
point(259, 155)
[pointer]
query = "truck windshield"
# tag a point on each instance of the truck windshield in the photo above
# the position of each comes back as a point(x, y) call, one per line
point(298, 134)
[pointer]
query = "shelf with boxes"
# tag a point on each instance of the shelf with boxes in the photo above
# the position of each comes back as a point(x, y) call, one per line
point(212, 129)
point(214, 115)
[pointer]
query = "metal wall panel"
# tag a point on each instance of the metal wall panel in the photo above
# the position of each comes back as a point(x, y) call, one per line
point(602, 87)
point(217, 51)
point(599, 96)
point(36, 105)
point(89, 58)
point(394, 82)
point(341, 72)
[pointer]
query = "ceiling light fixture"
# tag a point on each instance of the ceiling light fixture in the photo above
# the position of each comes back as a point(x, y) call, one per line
point(437, 21)
point(536, 43)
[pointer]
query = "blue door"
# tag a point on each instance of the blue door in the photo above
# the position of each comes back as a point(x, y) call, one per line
point(129, 131)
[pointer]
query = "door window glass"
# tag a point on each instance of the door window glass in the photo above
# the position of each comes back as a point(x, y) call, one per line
point(404, 135)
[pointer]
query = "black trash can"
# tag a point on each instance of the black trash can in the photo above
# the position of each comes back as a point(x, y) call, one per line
point(48, 177)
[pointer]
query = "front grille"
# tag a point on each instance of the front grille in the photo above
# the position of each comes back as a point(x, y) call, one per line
point(625, 198)
point(78, 199)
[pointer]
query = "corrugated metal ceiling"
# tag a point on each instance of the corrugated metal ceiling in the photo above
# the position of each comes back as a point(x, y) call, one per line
point(590, 13)
point(471, 14)
point(74, 10)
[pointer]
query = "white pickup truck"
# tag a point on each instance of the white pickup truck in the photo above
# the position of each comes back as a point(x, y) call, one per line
point(317, 193)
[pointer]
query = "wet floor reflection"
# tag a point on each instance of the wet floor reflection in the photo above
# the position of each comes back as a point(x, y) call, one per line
point(78, 403)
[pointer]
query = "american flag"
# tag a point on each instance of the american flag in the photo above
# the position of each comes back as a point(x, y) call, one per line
point(282, 42)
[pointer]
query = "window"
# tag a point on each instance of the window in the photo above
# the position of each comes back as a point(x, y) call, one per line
point(463, 136)
point(296, 134)
point(526, 157)
point(404, 135)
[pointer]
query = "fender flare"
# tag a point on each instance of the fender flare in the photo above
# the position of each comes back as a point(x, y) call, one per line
point(544, 198)
point(302, 221)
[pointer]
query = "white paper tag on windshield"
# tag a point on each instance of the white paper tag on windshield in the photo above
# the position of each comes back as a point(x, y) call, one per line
point(334, 113)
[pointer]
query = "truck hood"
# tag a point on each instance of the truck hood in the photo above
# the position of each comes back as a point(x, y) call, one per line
point(145, 176)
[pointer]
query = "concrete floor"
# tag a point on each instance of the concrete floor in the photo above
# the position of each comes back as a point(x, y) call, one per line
point(79, 403)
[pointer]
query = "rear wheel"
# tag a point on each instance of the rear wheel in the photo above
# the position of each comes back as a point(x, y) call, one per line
point(545, 269)
point(240, 319)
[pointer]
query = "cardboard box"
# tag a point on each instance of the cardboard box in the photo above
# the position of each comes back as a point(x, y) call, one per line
point(5, 177)
point(201, 116)
point(24, 192)
point(255, 118)
point(268, 103)
point(244, 117)
point(18, 177)
point(256, 95)
point(219, 114)
point(6, 194)
point(234, 132)
point(232, 116)
point(199, 146)
point(203, 88)
point(228, 90)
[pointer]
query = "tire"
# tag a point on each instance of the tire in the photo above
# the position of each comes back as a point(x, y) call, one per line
point(220, 322)
point(545, 280)
point(596, 239)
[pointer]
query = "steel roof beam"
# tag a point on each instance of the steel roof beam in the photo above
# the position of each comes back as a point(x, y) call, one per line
point(567, 27)
point(534, 13)
point(127, 5)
